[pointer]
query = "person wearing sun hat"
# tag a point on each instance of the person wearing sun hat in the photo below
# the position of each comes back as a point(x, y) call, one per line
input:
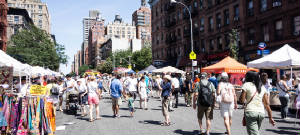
point(166, 93)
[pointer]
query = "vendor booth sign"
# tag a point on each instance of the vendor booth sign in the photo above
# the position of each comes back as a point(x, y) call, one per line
point(6, 76)
point(38, 90)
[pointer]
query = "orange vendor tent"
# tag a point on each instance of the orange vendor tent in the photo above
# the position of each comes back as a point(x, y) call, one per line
point(229, 65)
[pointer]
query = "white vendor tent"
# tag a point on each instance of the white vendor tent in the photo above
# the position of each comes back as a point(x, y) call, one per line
point(167, 69)
point(19, 69)
point(284, 58)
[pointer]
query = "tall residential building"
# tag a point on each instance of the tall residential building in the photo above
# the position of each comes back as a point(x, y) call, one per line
point(141, 18)
point(3, 24)
point(275, 22)
point(94, 15)
point(38, 11)
point(119, 29)
point(77, 59)
point(96, 38)
point(17, 19)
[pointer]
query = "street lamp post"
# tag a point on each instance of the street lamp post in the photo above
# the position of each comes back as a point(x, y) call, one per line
point(191, 21)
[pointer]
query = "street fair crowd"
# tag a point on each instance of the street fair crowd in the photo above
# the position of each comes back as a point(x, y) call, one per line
point(28, 105)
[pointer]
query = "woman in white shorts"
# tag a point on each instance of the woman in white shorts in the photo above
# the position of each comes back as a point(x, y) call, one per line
point(143, 93)
point(227, 99)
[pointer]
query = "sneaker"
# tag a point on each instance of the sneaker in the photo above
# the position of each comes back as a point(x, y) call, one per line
point(200, 132)
point(207, 133)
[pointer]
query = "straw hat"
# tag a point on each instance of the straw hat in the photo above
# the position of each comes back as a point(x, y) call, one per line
point(167, 77)
point(224, 74)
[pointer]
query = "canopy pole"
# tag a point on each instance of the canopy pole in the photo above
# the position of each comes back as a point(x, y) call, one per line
point(292, 72)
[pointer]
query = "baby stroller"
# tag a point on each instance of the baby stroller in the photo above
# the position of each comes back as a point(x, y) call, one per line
point(73, 103)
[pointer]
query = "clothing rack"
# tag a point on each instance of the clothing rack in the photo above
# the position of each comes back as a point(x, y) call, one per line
point(34, 107)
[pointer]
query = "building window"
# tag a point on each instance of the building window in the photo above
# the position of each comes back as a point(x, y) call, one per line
point(250, 9)
point(178, 15)
point(227, 41)
point(218, 2)
point(209, 3)
point(201, 4)
point(251, 36)
point(211, 24)
point(263, 5)
point(211, 44)
point(40, 7)
point(226, 17)
point(195, 4)
point(278, 30)
point(296, 25)
point(202, 24)
point(15, 30)
point(16, 19)
point(236, 13)
point(202, 45)
point(219, 43)
point(276, 3)
point(265, 29)
point(218, 20)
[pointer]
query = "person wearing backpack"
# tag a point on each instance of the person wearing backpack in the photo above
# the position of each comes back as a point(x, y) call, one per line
point(205, 97)
point(228, 101)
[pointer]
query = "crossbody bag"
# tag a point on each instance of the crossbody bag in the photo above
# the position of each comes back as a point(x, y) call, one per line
point(244, 118)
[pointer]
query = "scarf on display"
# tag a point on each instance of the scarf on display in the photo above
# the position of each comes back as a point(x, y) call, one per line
point(26, 116)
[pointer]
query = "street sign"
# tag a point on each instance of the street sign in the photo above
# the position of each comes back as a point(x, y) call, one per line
point(192, 55)
point(265, 52)
point(194, 63)
point(129, 67)
point(262, 45)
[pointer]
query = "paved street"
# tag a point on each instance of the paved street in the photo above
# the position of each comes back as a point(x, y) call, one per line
point(147, 122)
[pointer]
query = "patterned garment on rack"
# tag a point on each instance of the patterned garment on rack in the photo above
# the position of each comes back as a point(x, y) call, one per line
point(3, 121)
point(22, 126)
point(51, 116)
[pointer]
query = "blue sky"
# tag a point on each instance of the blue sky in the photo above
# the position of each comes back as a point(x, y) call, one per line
point(66, 19)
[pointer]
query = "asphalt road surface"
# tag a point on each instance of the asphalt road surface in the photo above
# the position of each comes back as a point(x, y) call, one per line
point(147, 122)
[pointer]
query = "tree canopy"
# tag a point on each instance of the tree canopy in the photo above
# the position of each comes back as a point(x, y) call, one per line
point(139, 59)
point(35, 47)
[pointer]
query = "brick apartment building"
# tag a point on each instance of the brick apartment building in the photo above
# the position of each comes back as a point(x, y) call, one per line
point(3, 24)
point(275, 22)
point(96, 35)
point(142, 20)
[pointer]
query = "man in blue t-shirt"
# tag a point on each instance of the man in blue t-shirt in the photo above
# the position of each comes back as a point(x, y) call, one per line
point(116, 93)
point(213, 80)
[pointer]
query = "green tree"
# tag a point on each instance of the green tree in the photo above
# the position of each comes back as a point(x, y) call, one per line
point(35, 47)
point(143, 58)
point(72, 74)
point(82, 69)
point(105, 67)
point(121, 58)
point(234, 49)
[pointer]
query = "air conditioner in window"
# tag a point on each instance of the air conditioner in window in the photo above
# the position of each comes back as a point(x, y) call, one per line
point(236, 18)
point(201, 28)
point(296, 33)
point(251, 42)
point(219, 25)
point(276, 4)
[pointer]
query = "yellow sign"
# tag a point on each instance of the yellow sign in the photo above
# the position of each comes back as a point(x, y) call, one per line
point(129, 67)
point(38, 90)
point(192, 55)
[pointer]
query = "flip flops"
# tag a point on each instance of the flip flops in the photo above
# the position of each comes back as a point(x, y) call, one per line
point(166, 124)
